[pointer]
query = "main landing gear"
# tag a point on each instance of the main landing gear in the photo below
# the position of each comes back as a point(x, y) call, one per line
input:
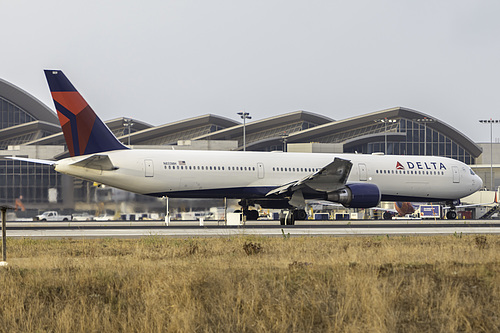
point(251, 215)
point(387, 216)
point(289, 216)
point(451, 214)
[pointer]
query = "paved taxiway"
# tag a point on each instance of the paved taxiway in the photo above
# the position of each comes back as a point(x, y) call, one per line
point(263, 228)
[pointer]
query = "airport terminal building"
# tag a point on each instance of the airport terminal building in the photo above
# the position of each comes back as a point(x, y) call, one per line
point(28, 128)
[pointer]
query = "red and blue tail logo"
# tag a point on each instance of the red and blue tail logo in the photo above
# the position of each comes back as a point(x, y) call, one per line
point(83, 131)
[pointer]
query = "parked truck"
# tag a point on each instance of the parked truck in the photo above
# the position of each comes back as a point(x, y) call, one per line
point(52, 216)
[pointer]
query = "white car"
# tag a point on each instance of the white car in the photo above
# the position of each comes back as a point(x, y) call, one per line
point(82, 217)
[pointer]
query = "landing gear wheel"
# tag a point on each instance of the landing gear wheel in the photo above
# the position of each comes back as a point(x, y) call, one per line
point(387, 216)
point(451, 215)
point(300, 214)
point(252, 215)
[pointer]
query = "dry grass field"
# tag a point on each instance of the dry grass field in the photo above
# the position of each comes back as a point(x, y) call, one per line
point(253, 284)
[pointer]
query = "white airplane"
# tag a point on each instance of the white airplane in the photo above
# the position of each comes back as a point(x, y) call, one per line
point(270, 179)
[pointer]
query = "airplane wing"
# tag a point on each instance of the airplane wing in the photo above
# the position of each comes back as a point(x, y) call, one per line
point(31, 160)
point(97, 161)
point(330, 178)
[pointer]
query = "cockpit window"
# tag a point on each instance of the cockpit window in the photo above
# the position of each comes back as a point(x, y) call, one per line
point(472, 172)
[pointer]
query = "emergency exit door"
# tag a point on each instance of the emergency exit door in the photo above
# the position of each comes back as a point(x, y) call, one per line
point(456, 175)
point(362, 172)
point(260, 170)
point(148, 168)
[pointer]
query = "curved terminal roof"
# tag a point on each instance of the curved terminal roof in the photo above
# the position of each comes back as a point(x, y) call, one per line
point(294, 127)
point(353, 123)
point(268, 129)
point(27, 102)
point(181, 130)
point(115, 125)
point(20, 134)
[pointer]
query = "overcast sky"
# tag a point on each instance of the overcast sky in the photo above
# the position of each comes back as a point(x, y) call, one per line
point(163, 61)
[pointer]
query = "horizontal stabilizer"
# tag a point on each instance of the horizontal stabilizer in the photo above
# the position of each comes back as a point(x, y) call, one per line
point(98, 162)
point(32, 160)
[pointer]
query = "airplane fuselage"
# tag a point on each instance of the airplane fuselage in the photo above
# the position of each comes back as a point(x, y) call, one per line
point(209, 174)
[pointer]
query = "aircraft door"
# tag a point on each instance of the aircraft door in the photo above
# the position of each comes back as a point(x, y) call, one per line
point(148, 168)
point(260, 170)
point(456, 174)
point(362, 172)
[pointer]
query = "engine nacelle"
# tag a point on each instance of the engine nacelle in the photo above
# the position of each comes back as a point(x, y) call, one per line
point(356, 196)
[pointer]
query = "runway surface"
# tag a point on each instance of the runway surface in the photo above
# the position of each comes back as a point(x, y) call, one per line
point(113, 229)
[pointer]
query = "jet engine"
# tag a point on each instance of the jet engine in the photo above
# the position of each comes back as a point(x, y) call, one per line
point(356, 196)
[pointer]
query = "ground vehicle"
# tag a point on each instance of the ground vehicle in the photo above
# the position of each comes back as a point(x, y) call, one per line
point(82, 217)
point(52, 215)
point(430, 211)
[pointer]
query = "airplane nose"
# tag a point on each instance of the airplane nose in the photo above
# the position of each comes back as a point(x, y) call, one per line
point(479, 182)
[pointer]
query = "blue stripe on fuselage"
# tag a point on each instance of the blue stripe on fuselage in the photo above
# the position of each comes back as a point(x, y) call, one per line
point(237, 193)
point(260, 193)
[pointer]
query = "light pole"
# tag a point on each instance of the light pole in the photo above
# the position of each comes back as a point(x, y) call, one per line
point(491, 122)
point(425, 120)
point(128, 122)
point(244, 115)
point(385, 121)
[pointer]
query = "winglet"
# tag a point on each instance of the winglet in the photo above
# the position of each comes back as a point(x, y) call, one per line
point(84, 131)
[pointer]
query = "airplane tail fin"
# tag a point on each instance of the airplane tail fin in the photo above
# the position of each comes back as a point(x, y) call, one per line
point(84, 132)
